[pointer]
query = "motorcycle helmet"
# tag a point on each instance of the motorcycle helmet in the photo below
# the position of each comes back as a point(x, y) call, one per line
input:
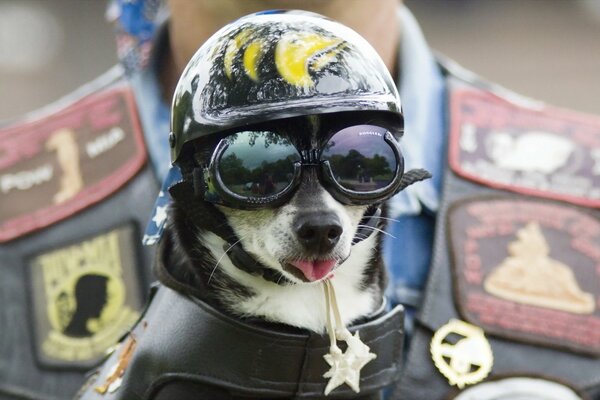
point(274, 65)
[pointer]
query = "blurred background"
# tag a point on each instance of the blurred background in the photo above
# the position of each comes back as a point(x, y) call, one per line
point(546, 49)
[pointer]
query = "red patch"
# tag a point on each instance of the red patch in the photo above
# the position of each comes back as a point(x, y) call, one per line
point(58, 165)
point(544, 152)
point(528, 270)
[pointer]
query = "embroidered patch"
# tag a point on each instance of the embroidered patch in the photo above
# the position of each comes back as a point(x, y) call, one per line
point(55, 166)
point(549, 153)
point(519, 387)
point(85, 297)
point(528, 270)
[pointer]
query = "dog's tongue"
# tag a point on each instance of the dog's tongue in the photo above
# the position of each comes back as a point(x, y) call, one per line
point(314, 270)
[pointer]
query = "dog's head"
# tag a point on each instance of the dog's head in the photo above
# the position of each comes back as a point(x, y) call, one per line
point(286, 126)
point(273, 82)
point(306, 234)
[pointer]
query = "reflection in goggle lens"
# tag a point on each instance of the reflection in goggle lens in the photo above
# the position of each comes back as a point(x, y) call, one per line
point(360, 159)
point(257, 163)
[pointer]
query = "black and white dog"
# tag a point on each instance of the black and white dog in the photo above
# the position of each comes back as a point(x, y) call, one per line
point(304, 241)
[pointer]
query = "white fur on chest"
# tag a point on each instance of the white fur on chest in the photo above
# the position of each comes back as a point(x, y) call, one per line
point(301, 305)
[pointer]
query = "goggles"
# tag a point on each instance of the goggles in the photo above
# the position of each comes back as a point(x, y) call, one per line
point(358, 165)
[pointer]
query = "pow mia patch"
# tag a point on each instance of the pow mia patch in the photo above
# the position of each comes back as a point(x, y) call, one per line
point(52, 167)
point(528, 270)
point(544, 152)
point(85, 297)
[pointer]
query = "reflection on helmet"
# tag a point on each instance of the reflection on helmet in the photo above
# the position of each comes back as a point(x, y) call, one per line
point(276, 65)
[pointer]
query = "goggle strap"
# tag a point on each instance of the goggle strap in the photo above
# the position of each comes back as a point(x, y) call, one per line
point(413, 176)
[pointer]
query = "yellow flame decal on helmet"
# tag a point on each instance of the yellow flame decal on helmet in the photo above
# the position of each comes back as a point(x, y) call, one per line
point(251, 58)
point(233, 47)
point(251, 55)
point(297, 53)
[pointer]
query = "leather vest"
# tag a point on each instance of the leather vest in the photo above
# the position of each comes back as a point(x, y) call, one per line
point(75, 194)
point(183, 348)
point(516, 255)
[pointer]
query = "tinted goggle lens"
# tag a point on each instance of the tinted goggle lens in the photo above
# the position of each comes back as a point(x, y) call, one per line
point(257, 163)
point(360, 159)
point(359, 164)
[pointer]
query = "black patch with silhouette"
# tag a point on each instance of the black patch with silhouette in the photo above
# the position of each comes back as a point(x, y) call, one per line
point(85, 296)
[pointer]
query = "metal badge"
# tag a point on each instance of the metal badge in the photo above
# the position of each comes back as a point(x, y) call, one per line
point(461, 352)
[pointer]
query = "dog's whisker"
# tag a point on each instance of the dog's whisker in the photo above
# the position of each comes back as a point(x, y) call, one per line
point(378, 230)
point(280, 278)
point(220, 258)
point(385, 218)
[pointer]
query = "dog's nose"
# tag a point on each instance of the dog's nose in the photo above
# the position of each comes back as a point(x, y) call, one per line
point(318, 232)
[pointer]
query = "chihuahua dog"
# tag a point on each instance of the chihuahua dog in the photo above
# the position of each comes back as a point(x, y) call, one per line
point(303, 241)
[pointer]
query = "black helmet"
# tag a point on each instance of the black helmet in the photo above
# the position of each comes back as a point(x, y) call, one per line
point(274, 65)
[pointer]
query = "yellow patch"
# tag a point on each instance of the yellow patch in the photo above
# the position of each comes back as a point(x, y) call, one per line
point(232, 50)
point(85, 306)
point(251, 58)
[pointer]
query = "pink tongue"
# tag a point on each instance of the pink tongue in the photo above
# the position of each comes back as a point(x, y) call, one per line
point(314, 270)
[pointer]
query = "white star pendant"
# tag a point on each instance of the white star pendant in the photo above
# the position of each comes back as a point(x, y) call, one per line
point(345, 367)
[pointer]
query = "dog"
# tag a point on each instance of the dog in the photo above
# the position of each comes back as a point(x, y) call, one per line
point(315, 268)
point(277, 238)
point(305, 241)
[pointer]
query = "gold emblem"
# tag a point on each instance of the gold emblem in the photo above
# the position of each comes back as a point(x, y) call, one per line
point(252, 54)
point(461, 353)
point(64, 143)
point(530, 276)
point(86, 310)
